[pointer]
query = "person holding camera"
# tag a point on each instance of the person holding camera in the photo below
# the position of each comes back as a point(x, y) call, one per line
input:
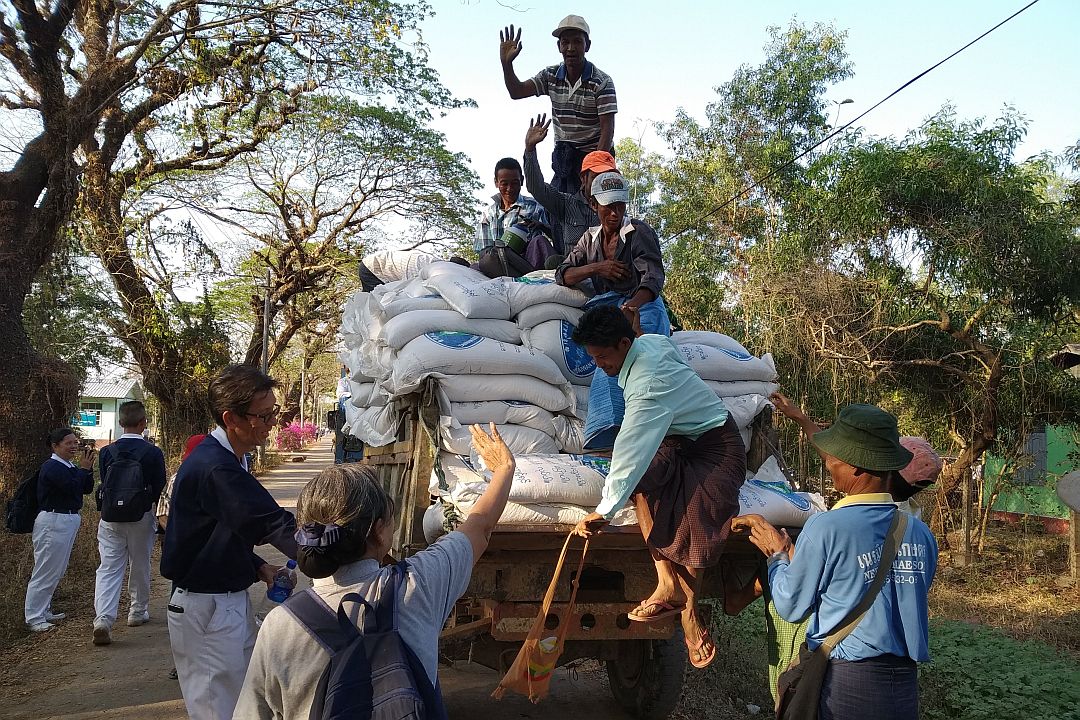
point(61, 485)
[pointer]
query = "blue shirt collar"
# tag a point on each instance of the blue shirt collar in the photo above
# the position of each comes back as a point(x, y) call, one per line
point(586, 71)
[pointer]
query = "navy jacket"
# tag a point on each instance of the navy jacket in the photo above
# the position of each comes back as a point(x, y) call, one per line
point(60, 488)
point(218, 514)
point(150, 458)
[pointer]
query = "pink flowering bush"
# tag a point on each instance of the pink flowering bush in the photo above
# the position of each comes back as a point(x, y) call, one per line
point(295, 436)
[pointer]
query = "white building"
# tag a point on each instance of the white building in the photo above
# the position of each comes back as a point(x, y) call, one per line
point(97, 416)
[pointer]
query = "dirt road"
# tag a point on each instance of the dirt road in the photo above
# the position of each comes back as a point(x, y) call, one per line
point(63, 675)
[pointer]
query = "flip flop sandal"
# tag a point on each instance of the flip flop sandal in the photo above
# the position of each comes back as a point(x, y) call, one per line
point(667, 611)
point(691, 648)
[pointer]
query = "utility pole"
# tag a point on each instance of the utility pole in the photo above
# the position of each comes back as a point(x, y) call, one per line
point(266, 326)
point(303, 394)
point(265, 347)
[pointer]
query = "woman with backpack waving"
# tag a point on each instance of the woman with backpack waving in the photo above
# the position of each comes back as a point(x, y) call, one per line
point(60, 487)
point(347, 526)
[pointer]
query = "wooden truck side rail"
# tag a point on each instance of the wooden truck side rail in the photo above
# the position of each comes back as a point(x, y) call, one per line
point(645, 662)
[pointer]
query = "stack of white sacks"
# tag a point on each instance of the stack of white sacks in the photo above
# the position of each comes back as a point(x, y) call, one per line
point(500, 351)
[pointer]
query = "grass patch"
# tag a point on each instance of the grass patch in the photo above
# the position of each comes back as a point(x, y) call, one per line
point(75, 593)
point(1013, 587)
point(980, 673)
point(738, 677)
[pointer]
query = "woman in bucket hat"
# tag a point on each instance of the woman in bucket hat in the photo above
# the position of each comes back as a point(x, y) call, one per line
point(872, 672)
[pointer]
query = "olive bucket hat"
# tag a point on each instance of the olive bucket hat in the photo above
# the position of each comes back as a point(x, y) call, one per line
point(864, 436)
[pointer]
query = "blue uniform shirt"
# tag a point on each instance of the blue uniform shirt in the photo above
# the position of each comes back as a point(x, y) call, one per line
point(61, 485)
point(218, 513)
point(150, 458)
point(834, 563)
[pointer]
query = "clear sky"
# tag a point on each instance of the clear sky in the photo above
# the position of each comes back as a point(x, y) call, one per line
point(663, 55)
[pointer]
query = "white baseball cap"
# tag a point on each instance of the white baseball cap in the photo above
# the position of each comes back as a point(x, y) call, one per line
point(571, 22)
point(610, 187)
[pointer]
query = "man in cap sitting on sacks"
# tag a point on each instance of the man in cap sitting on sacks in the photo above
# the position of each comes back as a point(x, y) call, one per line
point(872, 671)
point(621, 259)
point(583, 102)
point(570, 212)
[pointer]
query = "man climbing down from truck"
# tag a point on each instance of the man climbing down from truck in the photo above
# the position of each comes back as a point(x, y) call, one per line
point(679, 455)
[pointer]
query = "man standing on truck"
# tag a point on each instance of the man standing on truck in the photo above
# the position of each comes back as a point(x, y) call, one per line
point(678, 454)
point(583, 102)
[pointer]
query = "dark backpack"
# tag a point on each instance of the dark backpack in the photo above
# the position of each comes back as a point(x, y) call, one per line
point(372, 674)
point(124, 495)
point(23, 508)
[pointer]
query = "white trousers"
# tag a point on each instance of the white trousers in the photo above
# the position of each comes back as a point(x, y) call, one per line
point(53, 538)
point(212, 636)
point(123, 544)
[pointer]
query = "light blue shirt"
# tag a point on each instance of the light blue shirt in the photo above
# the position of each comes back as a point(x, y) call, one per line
point(663, 397)
point(836, 558)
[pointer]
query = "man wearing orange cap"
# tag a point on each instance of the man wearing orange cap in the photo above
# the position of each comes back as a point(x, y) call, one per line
point(583, 103)
point(570, 213)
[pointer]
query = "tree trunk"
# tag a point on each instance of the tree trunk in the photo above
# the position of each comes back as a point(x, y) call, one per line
point(37, 394)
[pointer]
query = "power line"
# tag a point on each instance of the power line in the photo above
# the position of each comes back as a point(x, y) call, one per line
point(840, 130)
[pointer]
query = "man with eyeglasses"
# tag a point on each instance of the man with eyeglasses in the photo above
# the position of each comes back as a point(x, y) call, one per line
point(218, 513)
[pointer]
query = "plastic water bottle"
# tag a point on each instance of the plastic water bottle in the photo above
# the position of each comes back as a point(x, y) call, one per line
point(284, 582)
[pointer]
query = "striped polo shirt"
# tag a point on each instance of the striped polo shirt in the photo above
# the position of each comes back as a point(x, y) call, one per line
point(576, 109)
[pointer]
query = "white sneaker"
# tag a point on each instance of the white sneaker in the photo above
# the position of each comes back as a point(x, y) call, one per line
point(138, 619)
point(41, 627)
point(53, 617)
point(102, 634)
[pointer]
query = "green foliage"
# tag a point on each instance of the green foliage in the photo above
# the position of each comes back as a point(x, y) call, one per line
point(65, 311)
point(980, 674)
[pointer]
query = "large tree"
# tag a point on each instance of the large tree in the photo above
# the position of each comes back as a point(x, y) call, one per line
point(123, 95)
point(942, 271)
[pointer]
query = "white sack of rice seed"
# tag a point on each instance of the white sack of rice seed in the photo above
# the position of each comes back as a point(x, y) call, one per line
point(406, 304)
point(728, 365)
point(526, 292)
point(742, 387)
point(569, 434)
point(519, 514)
point(365, 395)
point(581, 401)
point(356, 363)
point(361, 319)
point(473, 298)
point(769, 495)
point(545, 477)
point(520, 439)
point(447, 353)
point(402, 329)
point(536, 314)
point(371, 363)
point(502, 412)
point(708, 339)
point(744, 408)
point(553, 338)
point(376, 426)
point(522, 388)
point(445, 267)
point(351, 412)
point(556, 478)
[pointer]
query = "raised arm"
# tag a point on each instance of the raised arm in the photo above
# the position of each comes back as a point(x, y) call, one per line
point(509, 48)
point(792, 411)
point(607, 133)
point(485, 514)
